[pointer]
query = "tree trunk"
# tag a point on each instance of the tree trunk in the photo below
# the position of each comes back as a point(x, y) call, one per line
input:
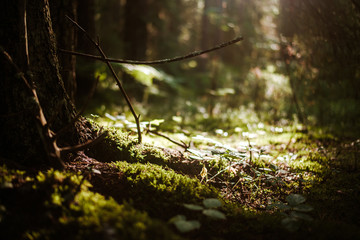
point(26, 33)
point(135, 41)
point(66, 39)
point(135, 32)
point(210, 36)
point(85, 67)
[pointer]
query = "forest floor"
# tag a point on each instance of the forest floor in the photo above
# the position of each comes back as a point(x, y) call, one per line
point(265, 182)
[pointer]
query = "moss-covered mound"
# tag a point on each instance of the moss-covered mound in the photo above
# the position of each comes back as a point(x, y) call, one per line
point(159, 191)
point(58, 205)
point(119, 146)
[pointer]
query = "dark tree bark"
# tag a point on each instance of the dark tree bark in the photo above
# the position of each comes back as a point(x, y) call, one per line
point(66, 39)
point(26, 33)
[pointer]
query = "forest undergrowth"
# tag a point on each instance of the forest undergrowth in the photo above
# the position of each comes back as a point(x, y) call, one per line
point(255, 181)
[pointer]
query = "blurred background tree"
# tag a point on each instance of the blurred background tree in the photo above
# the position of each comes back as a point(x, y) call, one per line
point(299, 60)
point(323, 58)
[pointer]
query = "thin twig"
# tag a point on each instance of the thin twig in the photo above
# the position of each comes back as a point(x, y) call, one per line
point(83, 146)
point(26, 36)
point(118, 82)
point(250, 147)
point(182, 144)
point(169, 60)
point(223, 170)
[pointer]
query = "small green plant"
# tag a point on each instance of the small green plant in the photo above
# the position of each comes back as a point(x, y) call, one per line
point(294, 211)
point(207, 209)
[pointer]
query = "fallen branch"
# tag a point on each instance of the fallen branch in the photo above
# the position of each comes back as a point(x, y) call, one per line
point(118, 82)
point(181, 144)
point(175, 59)
point(83, 146)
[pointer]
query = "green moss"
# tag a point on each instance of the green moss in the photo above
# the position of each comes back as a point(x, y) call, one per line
point(144, 153)
point(98, 218)
point(116, 146)
point(59, 205)
point(154, 187)
point(7, 177)
point(312, 163)
point(119, 146)
point(217, 164)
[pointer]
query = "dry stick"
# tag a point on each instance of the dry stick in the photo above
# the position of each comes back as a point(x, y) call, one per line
point(26, 37)
point(84, 145)
point(190, 55)
point(118, 82)
point(250, 151)
point(182, 144)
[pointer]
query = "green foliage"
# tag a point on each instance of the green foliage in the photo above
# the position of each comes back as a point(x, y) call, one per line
point(183, 225)
point(146, 75)
point(208, 209)
point(212, 203)
point(294, 210)
point(291, 50)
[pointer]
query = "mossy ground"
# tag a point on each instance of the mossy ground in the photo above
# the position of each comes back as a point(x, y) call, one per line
point(121, 190)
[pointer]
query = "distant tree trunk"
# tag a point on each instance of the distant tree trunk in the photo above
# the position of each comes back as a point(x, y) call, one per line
point(210, 36)
point(205, 33)
point(26, 33)
point(288, 56)
point(85, 67)
point(135, 41)
point(135, 31)
point(66, 39)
